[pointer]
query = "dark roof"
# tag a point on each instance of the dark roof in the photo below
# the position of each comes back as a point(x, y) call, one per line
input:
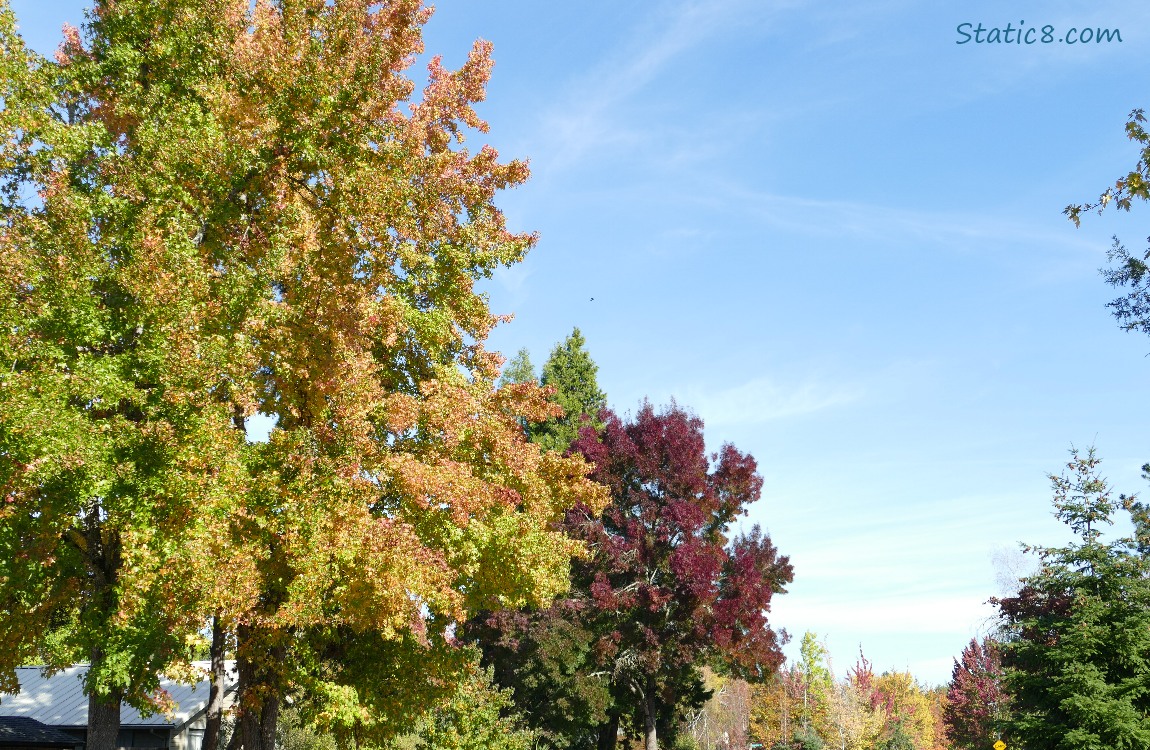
point(21, 730)
point(59, 700)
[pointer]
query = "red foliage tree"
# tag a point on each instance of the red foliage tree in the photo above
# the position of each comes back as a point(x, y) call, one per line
point(975, 695)
point(667, 589)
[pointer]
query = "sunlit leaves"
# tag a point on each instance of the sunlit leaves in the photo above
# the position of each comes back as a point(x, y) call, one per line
point(239, 208)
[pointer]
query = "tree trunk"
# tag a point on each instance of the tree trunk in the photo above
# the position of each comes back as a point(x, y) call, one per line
point(215, 711)
point(651, 741)
point(103, 722)
point(609, 733)
point(102, 559)
point(259, 690)
point(258, 728)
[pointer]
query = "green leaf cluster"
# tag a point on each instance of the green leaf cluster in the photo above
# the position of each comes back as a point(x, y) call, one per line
point(477, 715)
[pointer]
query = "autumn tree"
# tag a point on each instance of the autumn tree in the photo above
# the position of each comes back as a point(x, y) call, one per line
point(239, 208)
point(975, 699)
point(1076, 638)
point(937, 698)
point(775, 704)
point(909, 719)
point(807, 706)
point(667, 588)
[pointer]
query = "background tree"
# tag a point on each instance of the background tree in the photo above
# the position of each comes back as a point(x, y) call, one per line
point(572, 373)
point(667, 590)
point(239, 211)
point(909, 719)
point(861, 711)
point(818, 685)
point(775, 702)
point(938, 704)
point(518, 370)
point(723, 721)
point(477, 714)
point(1076, 638)
point(975, 700)
point(544, 658)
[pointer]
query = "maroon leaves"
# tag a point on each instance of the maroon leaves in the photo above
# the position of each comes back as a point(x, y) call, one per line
point(674, 589)
point(975, 696)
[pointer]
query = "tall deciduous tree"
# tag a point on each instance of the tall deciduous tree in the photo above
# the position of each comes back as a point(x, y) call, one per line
point(667, 588)
point(975, 699)
point(240, 209)
point(571, 372)
point(118, 462)
point(1076, 638)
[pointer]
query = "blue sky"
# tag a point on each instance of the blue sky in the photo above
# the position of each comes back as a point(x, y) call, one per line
point(836, 235)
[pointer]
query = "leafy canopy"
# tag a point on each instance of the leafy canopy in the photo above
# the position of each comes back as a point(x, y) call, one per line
point(667, 589)
point(240, 208)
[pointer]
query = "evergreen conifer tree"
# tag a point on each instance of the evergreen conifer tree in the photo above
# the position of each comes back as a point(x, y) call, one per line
point(572, 373)
point(1076, 640)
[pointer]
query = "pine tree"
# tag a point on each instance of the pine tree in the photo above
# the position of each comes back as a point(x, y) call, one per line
point(572, 373)
point(1076, 638)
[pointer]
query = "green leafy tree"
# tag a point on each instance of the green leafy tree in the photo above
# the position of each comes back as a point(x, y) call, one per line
point(214, 208)
point(477, 714)
point(899, 740)
point(545, 657)
point(805, 738)
point(572, 373)
point(1076, 638)
point(118, 457)
point(518, 370)
point(818, 684)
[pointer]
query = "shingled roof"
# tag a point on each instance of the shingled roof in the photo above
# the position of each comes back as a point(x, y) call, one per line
point(24, 732)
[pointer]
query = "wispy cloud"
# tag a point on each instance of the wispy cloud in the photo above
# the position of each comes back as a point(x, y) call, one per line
point(765, 399)
point(513, 281)
point(836, 218)
point(585, 116)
